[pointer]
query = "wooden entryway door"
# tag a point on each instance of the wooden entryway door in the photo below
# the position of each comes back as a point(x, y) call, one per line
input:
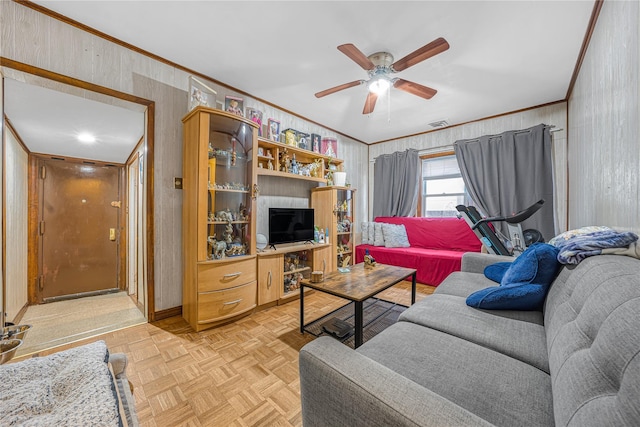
point(79, 217)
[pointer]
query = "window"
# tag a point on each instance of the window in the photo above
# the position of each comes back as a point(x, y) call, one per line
point(442, 187)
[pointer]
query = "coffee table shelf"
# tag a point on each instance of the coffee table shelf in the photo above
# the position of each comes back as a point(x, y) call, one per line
point(378, 314)
point(359, 285)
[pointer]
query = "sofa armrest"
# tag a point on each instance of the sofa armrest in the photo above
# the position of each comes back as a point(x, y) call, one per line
point(474, 262)
point(118, 362)
point(339, 386)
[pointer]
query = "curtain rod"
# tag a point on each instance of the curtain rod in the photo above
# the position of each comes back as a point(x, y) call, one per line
point(450, 146)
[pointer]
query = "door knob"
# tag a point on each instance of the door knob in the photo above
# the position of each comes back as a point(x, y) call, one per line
point(112, 234)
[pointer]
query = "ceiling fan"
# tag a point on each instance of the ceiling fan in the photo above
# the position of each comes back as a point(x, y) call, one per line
point(380, 66)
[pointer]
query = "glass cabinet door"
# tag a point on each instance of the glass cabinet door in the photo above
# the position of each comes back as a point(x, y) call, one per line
point(344, 220)
point(229, 186)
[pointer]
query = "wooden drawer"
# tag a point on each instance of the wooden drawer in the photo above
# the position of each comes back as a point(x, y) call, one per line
point(219, 305)
point(219, 276)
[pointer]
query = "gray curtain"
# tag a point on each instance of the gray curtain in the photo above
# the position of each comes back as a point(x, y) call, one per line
point(507, 173)
point(396, 182)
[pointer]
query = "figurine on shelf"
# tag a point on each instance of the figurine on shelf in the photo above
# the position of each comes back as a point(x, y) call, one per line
point(228, 234)
point(285, 161)
point(345, 261)
point(294, 165)
point(218, 246)
point(242, 212)
point(270, 165)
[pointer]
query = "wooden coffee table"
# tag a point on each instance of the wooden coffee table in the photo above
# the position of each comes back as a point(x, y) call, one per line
point(358, 285)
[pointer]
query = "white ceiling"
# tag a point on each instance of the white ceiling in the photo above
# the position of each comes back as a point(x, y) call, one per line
point(48, 122)
point(504, 55)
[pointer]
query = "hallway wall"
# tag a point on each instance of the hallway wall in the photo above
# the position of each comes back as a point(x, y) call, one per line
point(17, 216)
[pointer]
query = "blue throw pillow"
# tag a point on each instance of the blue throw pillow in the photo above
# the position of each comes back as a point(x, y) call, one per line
point(496, 271)
point(524, 284)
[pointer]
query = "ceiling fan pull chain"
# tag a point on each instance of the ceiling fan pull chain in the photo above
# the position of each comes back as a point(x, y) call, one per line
point(389, 104)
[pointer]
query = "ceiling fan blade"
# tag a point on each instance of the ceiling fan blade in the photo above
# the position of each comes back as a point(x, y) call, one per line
point(356, 56)
point(339, 88)
point(414, 88)
point(370, 103)
point(437, 46)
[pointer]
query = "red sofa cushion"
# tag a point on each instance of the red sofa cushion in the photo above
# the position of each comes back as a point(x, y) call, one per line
point(437, 246)
point(437, 233)
point(432, 265)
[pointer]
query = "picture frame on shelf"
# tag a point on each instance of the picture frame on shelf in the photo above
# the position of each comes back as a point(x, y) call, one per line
point(329, 147)
point(315, 142)
point(200, 94)
point(304, 141)
point(273, 130)
point(255, 116)
point(234, 105)
point(291, 137)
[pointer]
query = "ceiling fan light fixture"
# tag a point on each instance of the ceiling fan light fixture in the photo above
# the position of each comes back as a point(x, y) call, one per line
point(379, 85)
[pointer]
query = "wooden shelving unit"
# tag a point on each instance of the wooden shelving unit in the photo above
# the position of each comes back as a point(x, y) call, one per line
point(304, 157)
point(219, 271)
point(335, 210)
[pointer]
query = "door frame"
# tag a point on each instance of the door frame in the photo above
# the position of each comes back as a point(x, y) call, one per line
point(148, 182)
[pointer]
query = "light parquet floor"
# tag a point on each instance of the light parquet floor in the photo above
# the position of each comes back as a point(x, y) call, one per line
point(244, 373)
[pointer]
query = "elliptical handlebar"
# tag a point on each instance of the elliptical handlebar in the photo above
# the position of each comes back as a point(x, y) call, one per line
point(515, 218)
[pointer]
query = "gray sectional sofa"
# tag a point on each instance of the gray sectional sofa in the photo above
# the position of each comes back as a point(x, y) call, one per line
point(575, 363)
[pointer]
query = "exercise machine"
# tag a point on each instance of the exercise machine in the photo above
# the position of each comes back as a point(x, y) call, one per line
point(496, 242)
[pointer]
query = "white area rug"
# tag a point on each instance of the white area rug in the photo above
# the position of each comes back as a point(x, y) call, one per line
point(63, 322)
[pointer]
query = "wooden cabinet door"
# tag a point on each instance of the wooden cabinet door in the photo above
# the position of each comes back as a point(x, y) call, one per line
point(323, 260)
point(269, 278)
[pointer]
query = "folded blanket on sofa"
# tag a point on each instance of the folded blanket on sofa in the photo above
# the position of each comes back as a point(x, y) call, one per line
point(73, 387)
point(577, 245)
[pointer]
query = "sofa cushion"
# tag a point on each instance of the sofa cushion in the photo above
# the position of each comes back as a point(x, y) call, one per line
point(372, 233)
point(432, 266)
point(593, 338)
point(378, 237)
point(437, 233)
point(520, 339)
point(365, 233)
point(496, 387)
point(462, 284)
point(395, 236)
point(524, 284)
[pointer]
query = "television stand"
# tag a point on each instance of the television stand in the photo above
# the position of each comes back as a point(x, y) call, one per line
point(281, 269)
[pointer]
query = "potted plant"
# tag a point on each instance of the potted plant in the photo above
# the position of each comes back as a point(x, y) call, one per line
point(340, 176)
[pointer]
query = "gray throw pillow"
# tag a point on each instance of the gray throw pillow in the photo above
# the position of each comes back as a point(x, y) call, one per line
point(378, 239)
point(372, 232)
point(365, 233)
point(395, 236)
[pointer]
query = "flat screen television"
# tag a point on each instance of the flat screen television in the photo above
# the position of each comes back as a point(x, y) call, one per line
point(288, 225)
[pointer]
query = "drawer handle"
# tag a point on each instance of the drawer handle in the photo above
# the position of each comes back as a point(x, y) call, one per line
point(231, 275)
point(232, 302)
point(269, 280)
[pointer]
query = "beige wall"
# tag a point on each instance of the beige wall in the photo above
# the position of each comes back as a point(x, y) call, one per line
point(604, 133)
point(435, 141)
point(17, 193)
point(30, 37)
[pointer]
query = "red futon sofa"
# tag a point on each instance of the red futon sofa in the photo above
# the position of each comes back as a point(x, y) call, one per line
point(437, 245)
